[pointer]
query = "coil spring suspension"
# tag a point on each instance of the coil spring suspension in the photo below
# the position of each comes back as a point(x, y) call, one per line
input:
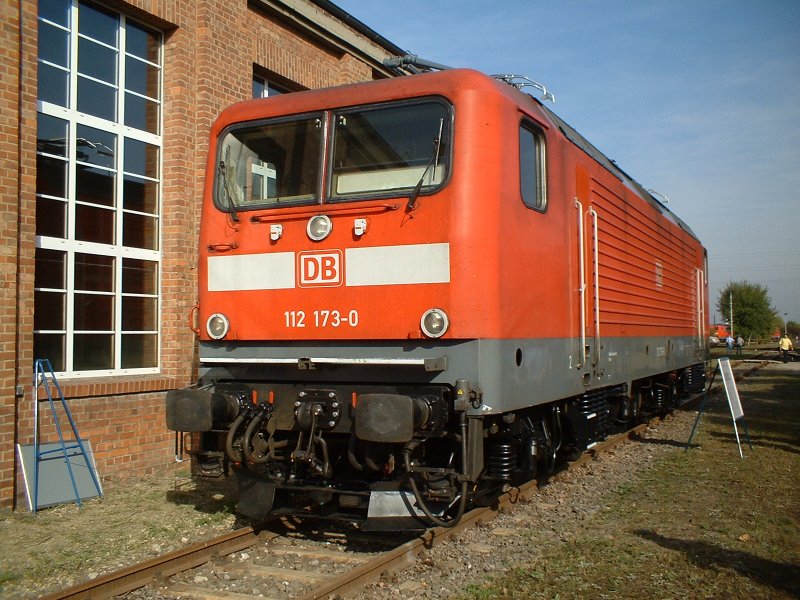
point(696, 379)
point(502, 461)
point(662, 397)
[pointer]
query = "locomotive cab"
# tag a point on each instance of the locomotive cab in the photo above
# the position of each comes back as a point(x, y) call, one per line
point(313, 243)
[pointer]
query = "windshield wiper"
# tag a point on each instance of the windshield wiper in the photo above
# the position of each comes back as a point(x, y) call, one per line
point(437, 142)
point(223, 170)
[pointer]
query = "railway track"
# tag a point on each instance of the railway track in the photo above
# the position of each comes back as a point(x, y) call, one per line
point(285, 558)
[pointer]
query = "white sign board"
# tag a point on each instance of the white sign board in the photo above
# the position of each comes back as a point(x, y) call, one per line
point(730, 388)
point(733, 397)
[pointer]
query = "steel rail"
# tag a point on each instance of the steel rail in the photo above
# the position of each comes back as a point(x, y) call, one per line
point(400, 557)
point(142, 574)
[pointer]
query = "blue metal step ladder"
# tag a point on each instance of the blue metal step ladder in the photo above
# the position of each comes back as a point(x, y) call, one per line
point(43, 376)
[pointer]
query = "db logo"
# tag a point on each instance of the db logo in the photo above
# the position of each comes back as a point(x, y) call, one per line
point(320, 269)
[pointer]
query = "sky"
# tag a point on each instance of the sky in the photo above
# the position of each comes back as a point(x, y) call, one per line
point(697, 99)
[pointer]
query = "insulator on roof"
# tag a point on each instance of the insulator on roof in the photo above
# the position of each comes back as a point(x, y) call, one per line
point(521, 81)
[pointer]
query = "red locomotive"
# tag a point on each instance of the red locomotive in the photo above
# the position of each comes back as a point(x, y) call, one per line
point(415, 292)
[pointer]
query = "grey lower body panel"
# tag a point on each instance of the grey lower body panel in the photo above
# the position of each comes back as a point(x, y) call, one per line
point(510, 373)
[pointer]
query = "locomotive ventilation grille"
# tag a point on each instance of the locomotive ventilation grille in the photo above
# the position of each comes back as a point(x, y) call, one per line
point(590, 418)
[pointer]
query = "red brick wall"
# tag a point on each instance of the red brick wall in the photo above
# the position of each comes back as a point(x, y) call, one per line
point(126, 431)
point(210, 49)
point(16, 172)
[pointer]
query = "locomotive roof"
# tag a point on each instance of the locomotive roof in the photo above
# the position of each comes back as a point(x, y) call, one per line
point(581, 142)
point(310, 99)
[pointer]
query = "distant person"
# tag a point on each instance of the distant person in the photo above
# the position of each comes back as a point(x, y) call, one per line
point(739, 344)
point(785, 345)
point(729, 342)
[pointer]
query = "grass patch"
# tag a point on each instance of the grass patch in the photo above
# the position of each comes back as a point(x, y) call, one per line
point(137, 520)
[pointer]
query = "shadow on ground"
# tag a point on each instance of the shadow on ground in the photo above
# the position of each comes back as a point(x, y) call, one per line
point(777, 575)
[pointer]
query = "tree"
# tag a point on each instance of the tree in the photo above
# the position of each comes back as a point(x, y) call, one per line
point(753, 314)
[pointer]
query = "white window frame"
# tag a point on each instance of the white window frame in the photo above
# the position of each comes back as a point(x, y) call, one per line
point(70, 245)
point(269, 84)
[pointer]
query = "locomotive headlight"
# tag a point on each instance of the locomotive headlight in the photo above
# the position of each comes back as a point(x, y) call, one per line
point(319, 226)
point(434, 322)
point(217, 326)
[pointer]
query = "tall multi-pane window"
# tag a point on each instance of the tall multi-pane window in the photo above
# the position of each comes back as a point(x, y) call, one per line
point(97, 191)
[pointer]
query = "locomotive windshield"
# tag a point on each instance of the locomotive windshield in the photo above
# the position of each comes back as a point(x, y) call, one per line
point(389, 149)
point(269, 164)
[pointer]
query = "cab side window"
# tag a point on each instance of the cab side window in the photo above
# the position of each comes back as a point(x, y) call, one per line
point(533, 184)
